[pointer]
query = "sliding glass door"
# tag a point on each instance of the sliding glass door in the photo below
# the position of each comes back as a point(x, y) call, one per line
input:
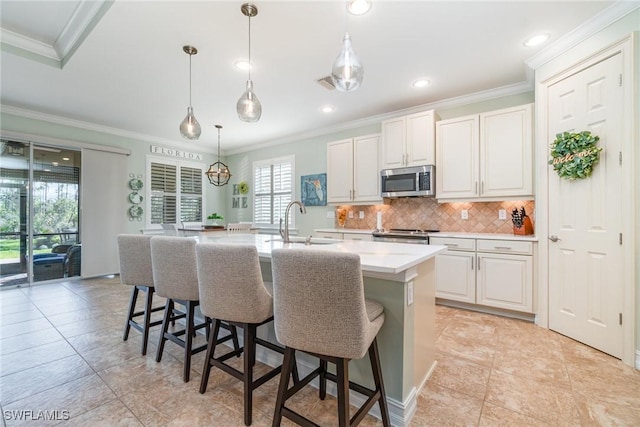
point(39, 213)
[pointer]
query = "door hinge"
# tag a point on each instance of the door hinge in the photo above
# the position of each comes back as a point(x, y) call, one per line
point(620, 238)
point(620, 158)
point(620, 80)
point(620, 318)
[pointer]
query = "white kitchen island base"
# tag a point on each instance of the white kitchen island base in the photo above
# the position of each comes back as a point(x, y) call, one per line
point(402, 278)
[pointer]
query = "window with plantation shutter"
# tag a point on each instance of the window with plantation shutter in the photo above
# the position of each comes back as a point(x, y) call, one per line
point(175, 191)
point(273, 189)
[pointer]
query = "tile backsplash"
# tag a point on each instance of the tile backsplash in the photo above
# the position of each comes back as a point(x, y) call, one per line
point(427, 213)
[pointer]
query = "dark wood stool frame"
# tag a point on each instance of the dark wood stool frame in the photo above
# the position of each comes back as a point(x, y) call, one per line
point(146, 323)
point(342, 381)
point(251, 340)
point(171, 315)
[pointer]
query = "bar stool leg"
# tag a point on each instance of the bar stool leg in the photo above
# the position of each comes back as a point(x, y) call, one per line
point(132, 308)
point(168, 309)
point(287, 362)
point(147, 320)
point(323, 379)
point(211, 349)
point(374, 356)
point(342, 375)
point(188, 340)
point(249, 362)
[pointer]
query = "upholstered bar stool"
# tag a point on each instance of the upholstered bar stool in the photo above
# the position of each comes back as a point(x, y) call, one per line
point(175, 277)
point(134, 251)
point(320, 309)
point(232, 290)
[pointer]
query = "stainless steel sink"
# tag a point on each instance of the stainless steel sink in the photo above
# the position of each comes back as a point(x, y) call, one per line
point(303, 240)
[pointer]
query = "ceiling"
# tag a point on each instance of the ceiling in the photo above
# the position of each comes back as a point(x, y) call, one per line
point(119, 66)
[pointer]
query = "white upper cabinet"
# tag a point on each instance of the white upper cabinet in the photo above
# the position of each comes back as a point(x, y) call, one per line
point(409, 140)
point(353, 170)
point(485, 156)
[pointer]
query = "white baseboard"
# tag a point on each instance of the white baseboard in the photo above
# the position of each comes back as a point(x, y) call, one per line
point(638, 359)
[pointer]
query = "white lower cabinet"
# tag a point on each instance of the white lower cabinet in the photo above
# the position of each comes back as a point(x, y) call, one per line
point(346, 235)
point(494, 273)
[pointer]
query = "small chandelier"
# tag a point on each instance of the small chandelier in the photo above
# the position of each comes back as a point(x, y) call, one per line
point(190, 128)
point(218, 172)
point(248, 107)
point(347, 71)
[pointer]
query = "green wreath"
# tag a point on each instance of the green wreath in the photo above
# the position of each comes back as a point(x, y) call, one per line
point(243, 187)
point(574, 154)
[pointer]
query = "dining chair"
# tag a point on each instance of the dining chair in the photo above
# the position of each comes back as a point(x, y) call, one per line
point(320, 309)
point(170, 229)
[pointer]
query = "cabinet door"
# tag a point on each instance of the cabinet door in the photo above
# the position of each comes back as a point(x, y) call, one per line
point(505, 281)
point(456, 276)
point(328, 235)
point(358, 236)
point(393, 148)
point(340, 171)
point(506, 152)
point(421, 143)
point(457, 158)
point(366, 169)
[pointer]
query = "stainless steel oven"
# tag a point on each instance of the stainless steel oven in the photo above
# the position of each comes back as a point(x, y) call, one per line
point(403, 235)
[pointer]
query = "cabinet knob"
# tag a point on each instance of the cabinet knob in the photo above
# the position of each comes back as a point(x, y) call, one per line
point(554, 238)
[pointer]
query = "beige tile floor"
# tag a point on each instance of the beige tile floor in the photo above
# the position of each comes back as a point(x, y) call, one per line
point(61, 349)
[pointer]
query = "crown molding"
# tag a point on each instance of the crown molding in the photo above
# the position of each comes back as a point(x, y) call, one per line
point(472, 98)
point(50, 118)
point(84, 19)
point(598, 22)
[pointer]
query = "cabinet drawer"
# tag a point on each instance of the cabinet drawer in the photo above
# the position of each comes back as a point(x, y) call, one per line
point(328, 235)
point(358, 236)
point(505, 246)
point(454, 244)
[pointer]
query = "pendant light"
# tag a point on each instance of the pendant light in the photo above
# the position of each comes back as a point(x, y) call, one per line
point(248, 106)
point(190, 128)
point(347, 71)
point(218, 172)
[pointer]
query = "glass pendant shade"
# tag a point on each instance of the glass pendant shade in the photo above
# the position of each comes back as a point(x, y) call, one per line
point(347, 71)
point(248, 106)
point(190, 128)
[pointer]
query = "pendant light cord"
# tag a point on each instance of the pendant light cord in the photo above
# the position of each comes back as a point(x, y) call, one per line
point(250, 64)
point(190, 55)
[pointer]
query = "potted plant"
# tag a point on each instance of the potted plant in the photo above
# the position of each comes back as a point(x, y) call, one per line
point(215, 219)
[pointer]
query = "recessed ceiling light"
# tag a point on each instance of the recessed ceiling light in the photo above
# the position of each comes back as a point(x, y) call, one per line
point(536, 40)
point(65, 158)
point(327, 109)
point(421, 83)
point(54, 163)
point(242, 65)
point(359, 7)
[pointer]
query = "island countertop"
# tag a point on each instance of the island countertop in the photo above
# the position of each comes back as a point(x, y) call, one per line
point(375, 257)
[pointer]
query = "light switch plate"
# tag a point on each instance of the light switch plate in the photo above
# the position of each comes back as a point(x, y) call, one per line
point(464, 214)
point(502, 214)
point(361, 215)
point(351, 214)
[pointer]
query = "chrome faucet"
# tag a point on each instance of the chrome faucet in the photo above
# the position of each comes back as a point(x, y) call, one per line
point(285, 233)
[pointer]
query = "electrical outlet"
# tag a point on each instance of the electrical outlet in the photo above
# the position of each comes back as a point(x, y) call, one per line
point(351, 214)
point(410, 293)
point(502, 214)
point(464, 214)
point(361, 215)
point(331, 214)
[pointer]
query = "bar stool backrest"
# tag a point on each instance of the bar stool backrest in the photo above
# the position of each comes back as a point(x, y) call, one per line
point(134, 251)
point(319, 304)
point(174, 267)
point(230, 282)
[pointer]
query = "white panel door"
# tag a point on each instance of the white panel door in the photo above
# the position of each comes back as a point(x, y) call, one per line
point(506, 151)
point(340, 171)
point(366, 169)
point(421, 145)
point(103, 201)
point(456, 276)
point(457, 158)
point(585, 282)
point(393, 143)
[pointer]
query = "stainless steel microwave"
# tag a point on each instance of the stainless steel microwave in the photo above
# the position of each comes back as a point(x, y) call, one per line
point(416, 181)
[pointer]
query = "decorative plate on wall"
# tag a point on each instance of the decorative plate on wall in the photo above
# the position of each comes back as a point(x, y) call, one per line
point(135, 197)
point(135, 184)
point(135, 211)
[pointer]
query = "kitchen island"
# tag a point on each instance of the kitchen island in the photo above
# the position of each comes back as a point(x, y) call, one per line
point(399, 276)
